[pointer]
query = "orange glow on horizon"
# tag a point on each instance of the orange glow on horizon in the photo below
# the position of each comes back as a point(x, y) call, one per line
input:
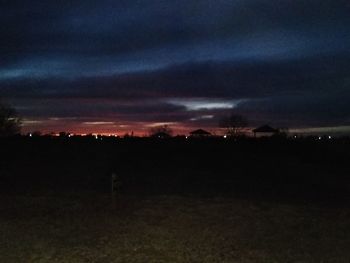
point(136, 130)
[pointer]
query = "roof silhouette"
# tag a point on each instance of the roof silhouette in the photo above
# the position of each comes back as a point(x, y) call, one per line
point(200, 132)
point(265, 128)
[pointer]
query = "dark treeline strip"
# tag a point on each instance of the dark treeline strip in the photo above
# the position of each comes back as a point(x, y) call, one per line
point(295, 169)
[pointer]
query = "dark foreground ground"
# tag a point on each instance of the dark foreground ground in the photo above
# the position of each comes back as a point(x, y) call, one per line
point(179, 201)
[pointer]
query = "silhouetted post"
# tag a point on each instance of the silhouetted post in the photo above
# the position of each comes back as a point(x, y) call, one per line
point(114, 187)
point(114, 184)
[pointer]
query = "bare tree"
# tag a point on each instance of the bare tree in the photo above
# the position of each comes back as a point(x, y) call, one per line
point(234, 124)
point(163, 131)
point(10, 123)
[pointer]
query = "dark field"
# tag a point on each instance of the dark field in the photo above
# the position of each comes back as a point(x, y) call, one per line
point(179, 200)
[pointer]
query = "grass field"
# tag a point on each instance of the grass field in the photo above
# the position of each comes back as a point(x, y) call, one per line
point(93, 228)
point(202, 201)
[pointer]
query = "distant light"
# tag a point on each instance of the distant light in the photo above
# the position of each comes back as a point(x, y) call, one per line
point(30, 135)
point(319, 137)
point(186, 137)
point(96, 137)
point(225, 136)
point(329, 137)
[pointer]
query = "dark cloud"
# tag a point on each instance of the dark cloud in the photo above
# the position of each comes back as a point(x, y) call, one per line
point(94, 108)
point(288, 59)
point(209, 79)
point(301, 111)
point(81, 30)
point(301, 92)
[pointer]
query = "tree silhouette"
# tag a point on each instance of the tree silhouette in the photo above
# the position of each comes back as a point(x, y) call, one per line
point(10, 123)
point(161, 132)
point(234, 124)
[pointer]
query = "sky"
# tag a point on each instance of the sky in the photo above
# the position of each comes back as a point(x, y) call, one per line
point(129, 65)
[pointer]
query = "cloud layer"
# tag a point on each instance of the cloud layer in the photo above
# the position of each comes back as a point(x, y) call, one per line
point(135, 63)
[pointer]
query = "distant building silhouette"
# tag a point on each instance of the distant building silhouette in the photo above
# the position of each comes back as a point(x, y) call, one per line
point(200, 133)
point(265, 131)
